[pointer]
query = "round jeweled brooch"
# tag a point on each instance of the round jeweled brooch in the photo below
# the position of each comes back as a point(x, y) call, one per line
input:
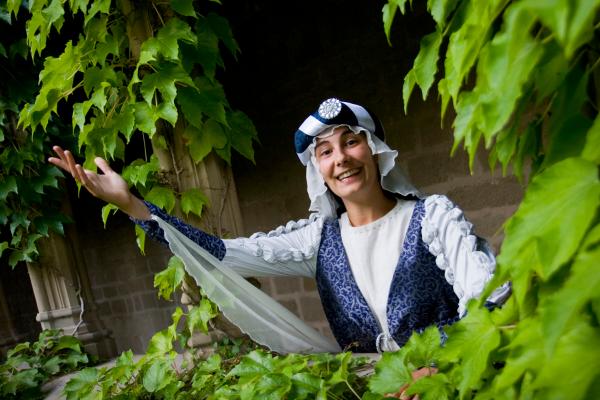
point(330, 108)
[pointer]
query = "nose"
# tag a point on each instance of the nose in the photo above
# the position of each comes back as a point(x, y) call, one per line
point(340, 157)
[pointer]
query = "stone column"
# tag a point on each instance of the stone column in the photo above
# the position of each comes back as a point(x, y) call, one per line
point(62, 293)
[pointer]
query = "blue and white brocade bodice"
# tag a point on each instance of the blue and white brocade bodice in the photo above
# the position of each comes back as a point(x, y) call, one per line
point(419, 294)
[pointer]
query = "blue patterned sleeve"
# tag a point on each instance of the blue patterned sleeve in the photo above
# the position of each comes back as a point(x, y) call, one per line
point(208, 242)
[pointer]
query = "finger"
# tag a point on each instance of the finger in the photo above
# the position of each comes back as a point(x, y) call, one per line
point(71, 163)
point(103, 165)
point(82, 175)
point(58, 162)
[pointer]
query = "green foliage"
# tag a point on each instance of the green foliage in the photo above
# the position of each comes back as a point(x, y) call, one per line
point(117, 80)
point(29, 365)
point(30, 199)
point(531, 68)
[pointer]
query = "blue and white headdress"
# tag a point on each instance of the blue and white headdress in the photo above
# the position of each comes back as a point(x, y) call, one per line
point(331, 114)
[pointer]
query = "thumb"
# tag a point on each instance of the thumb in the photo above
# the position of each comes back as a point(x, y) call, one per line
point(103, 165)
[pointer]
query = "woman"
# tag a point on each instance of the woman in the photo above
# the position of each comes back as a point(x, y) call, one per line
point(388, 261)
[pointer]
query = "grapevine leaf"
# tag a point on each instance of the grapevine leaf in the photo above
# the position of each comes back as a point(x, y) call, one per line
point(184, 7)
point(205, 52)
point(8, 186)
point(162, 196)
point(170, 279)
point(423, 349)
point(98, 6)
point(580, 288)
point(471, 340)
point(145, 118)
point(199, 316)
point(220, 26)
point(242, 134)
point(440, 10)
point(67, 342)
point(572, 22)
point(138, 171)
point(389, 12)
point(94, 77)
point(546, 219)
point(193, 200)
point(140, 238)
point(206, 99)
point(255, 364)
point(199, 144)
point(166, 42)
point(579, 346)
point(425, 64)
point(164, 80)
point(3, 246)
point(434, 387)
point(391, 373)
point(161, 343)
point(157, 376)
point(591, 151)
point(106, 211)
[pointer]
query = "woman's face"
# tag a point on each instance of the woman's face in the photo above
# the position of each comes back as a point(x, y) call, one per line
point(347, 165)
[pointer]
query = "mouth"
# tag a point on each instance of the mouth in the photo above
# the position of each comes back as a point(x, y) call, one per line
point(347, 174)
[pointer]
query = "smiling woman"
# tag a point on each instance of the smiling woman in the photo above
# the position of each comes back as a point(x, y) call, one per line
point(388, 261)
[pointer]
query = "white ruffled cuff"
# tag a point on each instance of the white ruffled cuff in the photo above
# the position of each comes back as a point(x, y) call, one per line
point(467, 261)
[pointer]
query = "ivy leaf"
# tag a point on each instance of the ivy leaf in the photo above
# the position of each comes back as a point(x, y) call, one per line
point(389, 12)
point(83, 382)
point(305, 385)
point(94, 77)
point(255, 364)
point(12, 6)
point(184, 7)
point(391, 373)
point(170, 279)
point(207, 98)
point(98, 6)
point(424, 67)
point(471, 340)
point(193, 200)
point(205, 52)
point(145, 118)
point(138, 171)
point(545, 218)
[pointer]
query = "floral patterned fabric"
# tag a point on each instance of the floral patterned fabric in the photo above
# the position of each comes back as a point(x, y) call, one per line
point(419, 294)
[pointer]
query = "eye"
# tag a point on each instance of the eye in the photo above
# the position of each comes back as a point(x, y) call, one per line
point(324, 152)
point(352, 141)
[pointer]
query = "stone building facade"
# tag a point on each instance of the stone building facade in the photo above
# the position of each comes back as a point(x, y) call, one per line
point(290, 61)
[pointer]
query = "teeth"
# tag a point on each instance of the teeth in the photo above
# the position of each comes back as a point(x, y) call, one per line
point(348, 173)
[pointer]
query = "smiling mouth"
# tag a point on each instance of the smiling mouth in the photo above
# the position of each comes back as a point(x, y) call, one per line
point(348, 174)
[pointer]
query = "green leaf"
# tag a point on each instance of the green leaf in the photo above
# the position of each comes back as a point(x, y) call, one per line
point(3, 246)
point(434, 387)
point(164, 80)
point(559, 376)
point(140, 238)
point(581, 286)
point(161, 343)
point(170, 279)
point(255, 364)
point(184, 7)
point(98, 6)
point(205, 52)
point(391, 373)
point(425, 64)
point(162, 196)
point(471, 340)
point(547, 220)
point(591, 151)
point(145, 118)
point(165, 43)
point(206, 99)
point(12, 6)
point(440, 10)
point(220, 26)
point(94, 78)
point(139, 171)
point(8, 186)
point(389, 12)
point(199, 316)
point(83, 382)
point(106, 211)
point(242, 134)
point(2, 50)
point(157, 376)
point(193, 200)
point(571, 21)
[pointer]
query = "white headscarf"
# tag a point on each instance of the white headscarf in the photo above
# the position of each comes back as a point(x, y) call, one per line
point(392, 177)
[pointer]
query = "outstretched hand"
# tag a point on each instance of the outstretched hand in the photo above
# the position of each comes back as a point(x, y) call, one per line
point(109, 186)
